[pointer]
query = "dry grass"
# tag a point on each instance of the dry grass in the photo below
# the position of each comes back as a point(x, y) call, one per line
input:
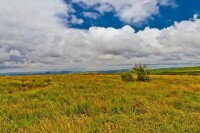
point(99, 103)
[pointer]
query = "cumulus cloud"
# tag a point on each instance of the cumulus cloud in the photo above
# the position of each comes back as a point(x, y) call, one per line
point(176, 44)
point(27, 26)
point(129, 11)
point(33, 37)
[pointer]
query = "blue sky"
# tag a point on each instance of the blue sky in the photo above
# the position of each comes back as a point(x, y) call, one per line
point(40, 35)
point(184, 10)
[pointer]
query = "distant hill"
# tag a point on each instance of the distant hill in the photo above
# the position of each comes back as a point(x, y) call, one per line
point(36, 73)
point(62, 72)
point(160, 71)
point(177, 71)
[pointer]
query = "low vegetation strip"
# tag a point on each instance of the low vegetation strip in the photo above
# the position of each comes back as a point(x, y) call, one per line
point(177, 71)
point(99, 103)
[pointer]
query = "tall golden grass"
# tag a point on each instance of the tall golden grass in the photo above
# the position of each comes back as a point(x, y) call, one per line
point(99, 103)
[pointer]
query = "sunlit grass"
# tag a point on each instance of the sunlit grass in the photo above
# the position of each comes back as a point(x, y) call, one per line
point(99, 103)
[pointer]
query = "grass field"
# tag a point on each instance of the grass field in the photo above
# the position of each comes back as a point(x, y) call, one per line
point(90, 103)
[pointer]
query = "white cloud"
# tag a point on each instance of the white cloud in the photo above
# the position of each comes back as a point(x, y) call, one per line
point(75, 20)
point(27, 26)
point(91, 15)
point(33, 37)
point(129, 11)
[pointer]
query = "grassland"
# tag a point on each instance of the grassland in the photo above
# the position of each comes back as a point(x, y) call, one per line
point(99, 103)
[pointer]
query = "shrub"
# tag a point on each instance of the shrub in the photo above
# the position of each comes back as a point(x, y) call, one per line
point(141, 71)
point(127, 77)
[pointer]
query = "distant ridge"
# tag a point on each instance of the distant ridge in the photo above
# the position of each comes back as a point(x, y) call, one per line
point(61, 72)
point(177, 71)
point(159, 71)
point(35, 73)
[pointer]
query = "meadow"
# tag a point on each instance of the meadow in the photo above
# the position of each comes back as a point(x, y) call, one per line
point(92, 103)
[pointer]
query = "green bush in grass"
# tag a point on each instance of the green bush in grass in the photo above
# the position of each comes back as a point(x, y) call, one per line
point(141, 71)
point(128, 77)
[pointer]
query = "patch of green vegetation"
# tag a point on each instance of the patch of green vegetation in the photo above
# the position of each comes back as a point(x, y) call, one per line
point(177, 71)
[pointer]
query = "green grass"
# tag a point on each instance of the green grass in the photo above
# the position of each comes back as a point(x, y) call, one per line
point(177, 71)
point(99, 103)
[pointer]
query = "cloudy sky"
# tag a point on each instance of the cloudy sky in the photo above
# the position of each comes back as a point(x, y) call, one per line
point(38, 35)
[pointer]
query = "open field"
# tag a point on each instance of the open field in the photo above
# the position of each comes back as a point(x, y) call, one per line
point(99, 103)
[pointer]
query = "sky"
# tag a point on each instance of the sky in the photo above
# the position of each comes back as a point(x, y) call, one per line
point(43, 35)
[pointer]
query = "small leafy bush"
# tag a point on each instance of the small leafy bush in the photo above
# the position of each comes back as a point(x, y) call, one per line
point(141, 71)
point(128, 77)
